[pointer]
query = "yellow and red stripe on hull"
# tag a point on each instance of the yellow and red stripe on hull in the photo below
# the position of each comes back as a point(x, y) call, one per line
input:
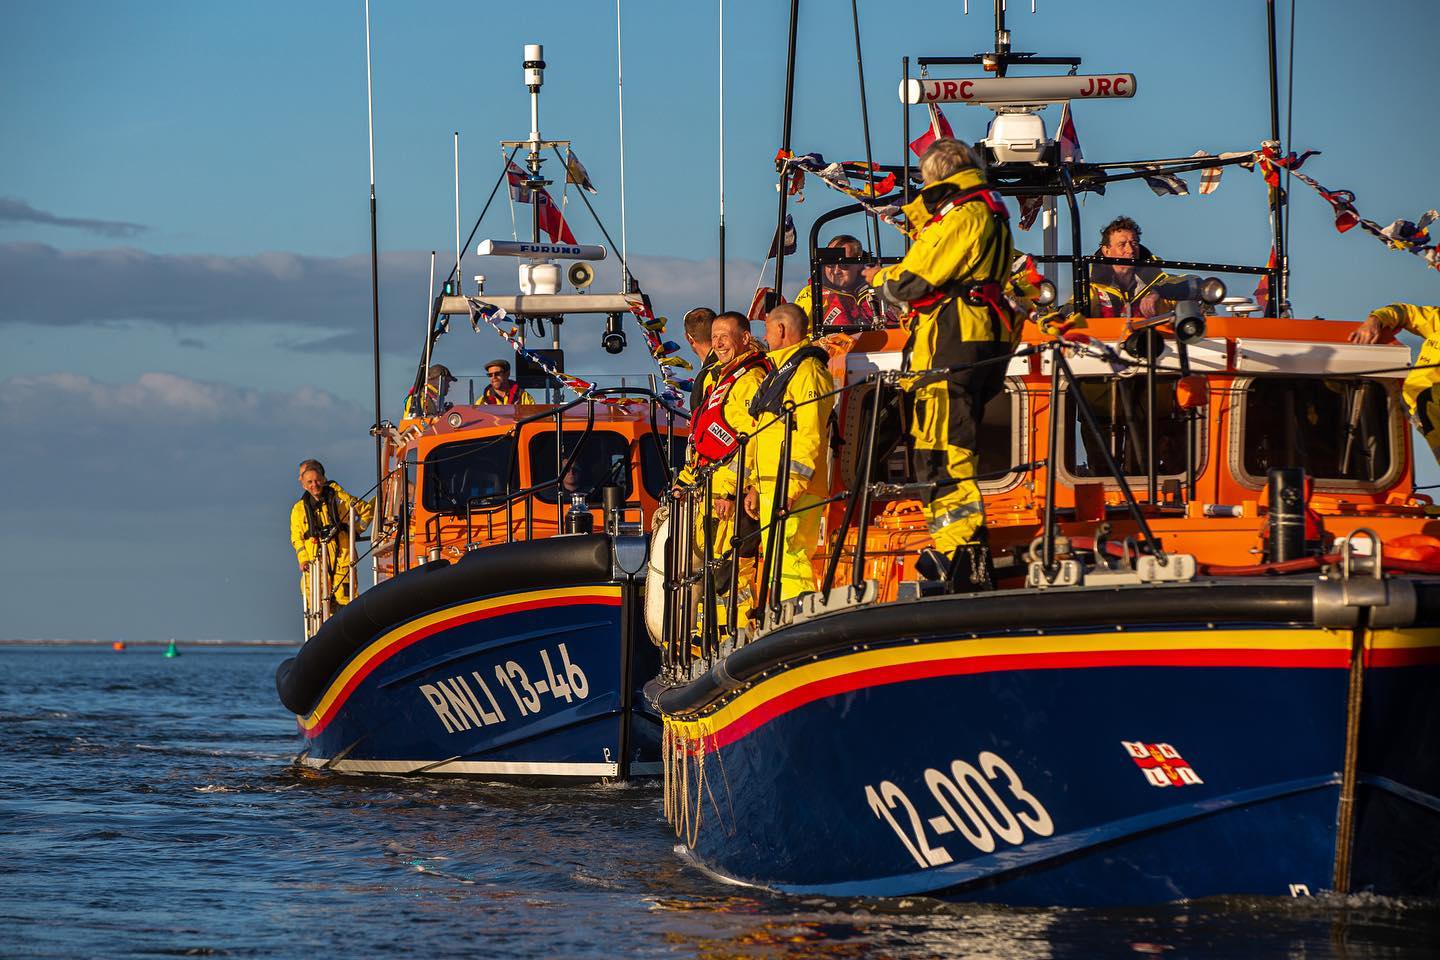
point(1306, 648)
point(392, 642)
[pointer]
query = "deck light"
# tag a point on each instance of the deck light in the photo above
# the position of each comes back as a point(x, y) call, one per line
point(613, 339)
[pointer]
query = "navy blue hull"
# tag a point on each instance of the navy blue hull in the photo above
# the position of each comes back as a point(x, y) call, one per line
point(1081, 769)
point(513, 684)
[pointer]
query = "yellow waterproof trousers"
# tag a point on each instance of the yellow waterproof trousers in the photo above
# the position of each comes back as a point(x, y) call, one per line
point(339, 577)
point(722, 531)
point(944, 427)
point(798, 545)
point(1425, 413)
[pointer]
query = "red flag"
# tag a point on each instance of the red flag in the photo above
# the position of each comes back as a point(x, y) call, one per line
point(1067, 141)
point(1262, 289)
point(939, 128)
point(552, 221)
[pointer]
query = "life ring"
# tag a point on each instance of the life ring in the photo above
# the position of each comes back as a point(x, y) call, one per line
point(655, 574)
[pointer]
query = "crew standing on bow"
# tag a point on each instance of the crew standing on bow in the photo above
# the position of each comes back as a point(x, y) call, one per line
point(1422, 386)
point(697, 334)
point(952, 282)
point(320, 524)
point(502, 391)
point(800, 383)
point(715, 429)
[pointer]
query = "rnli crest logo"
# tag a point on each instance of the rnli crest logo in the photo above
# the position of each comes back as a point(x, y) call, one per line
point(1161, 763)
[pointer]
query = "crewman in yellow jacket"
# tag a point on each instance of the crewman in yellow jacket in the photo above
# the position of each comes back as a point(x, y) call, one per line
point(952, 283)
point(323, 514)
point(801, 383)
point(1420, 392)
point(715, 428)
point(502, 390)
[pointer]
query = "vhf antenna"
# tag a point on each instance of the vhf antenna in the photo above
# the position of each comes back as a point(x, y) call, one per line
point(534, 79)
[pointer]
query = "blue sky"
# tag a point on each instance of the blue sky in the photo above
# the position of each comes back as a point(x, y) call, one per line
point(184, 292)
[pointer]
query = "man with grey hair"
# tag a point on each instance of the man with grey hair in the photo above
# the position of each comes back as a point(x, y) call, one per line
point(951, 285)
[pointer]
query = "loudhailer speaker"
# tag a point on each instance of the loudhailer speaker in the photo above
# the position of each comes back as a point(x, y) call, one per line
point(1189, 322)
point(580, 274)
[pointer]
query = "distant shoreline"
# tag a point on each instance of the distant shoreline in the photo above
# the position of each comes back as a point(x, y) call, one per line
point(146, 643)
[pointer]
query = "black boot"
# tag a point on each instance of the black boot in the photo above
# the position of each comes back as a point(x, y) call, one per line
point(972, 568)
point(932, 565)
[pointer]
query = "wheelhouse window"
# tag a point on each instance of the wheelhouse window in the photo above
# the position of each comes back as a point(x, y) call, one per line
point(1001, 445)
point(655, 450)
point(1335, 429)
point(603, 458)
point(1121, 409)
point(466, 472)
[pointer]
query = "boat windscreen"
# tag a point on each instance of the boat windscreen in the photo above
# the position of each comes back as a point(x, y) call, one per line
point(1335, 429)
point(604, 458)
point(1121, 409)
point(653, 448)
point(455, 474)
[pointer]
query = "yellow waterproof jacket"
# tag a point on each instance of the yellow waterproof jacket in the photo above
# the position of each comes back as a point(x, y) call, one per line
point(306, 542)
point(737, 415)
point(955, 245)
point(809, 464)
point(1424, 322)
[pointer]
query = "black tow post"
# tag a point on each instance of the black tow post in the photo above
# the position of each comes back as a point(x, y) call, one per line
point(1087, 416)
point(733, 603)
point(1052, 446)
point(707, 575)
point(1152, 339)
point(837, 546)
point(857, 568)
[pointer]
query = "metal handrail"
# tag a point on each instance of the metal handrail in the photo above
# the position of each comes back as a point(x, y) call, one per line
point(682, 574)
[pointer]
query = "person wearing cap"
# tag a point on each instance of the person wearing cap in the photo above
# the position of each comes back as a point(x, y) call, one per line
point(502, 391)
point(432, 395)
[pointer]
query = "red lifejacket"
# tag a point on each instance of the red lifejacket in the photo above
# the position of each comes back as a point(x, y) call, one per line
point(714, 437)
point(510, 396)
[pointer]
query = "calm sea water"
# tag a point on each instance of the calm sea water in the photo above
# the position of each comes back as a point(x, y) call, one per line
point(148, 807)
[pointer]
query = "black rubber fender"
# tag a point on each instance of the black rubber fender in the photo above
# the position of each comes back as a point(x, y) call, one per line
point(487, 572)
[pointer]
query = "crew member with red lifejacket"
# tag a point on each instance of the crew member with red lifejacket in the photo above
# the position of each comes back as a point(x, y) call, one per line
point(952, 283)
point(502, 390)
point(846, 300)
point(715, 430)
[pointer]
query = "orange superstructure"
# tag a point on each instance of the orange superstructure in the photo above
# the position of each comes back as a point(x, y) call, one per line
point(1274, 386)
point(478, 476)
